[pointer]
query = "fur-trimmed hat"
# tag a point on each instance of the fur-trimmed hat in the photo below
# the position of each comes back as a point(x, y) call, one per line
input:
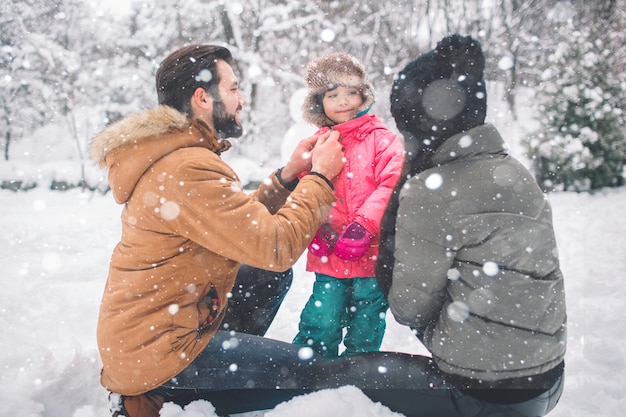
point(328, 72)
point(441, 93)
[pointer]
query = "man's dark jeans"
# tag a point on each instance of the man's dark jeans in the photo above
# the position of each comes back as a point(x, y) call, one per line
point(241, 371)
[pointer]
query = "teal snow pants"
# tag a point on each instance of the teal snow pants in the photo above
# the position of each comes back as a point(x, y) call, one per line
point(356, 304)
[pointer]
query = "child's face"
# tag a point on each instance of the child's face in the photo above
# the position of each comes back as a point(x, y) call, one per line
point(341, 103)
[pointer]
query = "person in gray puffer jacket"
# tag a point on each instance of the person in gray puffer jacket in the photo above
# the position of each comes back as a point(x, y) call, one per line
point(468, 253)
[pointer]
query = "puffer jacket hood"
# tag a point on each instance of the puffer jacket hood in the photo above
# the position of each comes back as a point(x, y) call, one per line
point(476, 263)
point(128, 148)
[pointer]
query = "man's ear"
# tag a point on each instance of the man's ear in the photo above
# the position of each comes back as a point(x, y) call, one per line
point(201, 103)
point(202, 98)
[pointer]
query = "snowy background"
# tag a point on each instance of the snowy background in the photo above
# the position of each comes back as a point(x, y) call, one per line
point(55, 252)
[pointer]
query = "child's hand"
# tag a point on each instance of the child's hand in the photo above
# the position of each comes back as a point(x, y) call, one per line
point(323, 241)
point(353, 242)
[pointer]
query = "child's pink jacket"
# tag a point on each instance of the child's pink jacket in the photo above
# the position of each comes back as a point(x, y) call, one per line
point(374, 159)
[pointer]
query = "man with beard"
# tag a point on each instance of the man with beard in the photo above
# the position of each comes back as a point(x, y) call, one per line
point(179, 318)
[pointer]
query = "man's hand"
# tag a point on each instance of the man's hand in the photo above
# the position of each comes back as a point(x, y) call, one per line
point(300, 160)
point(327, 155)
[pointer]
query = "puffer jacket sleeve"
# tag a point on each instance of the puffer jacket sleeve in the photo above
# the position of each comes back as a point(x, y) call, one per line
point(423, 256)
point(213, 211)
point(388, 161)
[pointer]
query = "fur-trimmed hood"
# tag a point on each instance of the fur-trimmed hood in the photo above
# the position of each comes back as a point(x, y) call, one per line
point(138, 126)
point(129, 147)
point(328, 72)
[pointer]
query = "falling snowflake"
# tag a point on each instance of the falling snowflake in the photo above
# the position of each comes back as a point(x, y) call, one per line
point(169, 210)
point(173, 309)
point(458, 311)
point(434, 181)
point(328, 35)
point(491, 269)
point(506, 63)
point(204, 76)
point(305, 353)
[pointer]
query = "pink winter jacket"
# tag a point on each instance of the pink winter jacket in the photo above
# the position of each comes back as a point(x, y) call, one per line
point(374, 159)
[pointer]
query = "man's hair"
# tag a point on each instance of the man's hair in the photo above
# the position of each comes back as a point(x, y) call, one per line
point(187, 69)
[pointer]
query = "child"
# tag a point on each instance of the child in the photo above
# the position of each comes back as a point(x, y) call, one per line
point(344, 250)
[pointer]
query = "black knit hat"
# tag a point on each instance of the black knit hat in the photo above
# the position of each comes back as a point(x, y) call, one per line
point(441, 93)
point(326, 73)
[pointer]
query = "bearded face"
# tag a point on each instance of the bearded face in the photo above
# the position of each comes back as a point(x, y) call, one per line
point(226, 124)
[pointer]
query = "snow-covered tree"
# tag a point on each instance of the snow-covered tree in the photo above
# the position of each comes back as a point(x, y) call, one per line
point(27, 97)
point(580, 144)
point(47, 49)
point(70, 64)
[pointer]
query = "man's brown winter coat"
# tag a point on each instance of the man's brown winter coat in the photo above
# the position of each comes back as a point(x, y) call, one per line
point(186, 227)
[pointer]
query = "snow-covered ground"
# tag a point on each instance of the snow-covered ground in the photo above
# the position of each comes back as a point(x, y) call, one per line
point(55, 252)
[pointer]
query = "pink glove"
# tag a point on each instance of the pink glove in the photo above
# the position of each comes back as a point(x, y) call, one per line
point(323, 241)
point(353, 242)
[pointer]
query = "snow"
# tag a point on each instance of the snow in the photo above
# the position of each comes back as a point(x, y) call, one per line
point(55, 253)
point(56, 247)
